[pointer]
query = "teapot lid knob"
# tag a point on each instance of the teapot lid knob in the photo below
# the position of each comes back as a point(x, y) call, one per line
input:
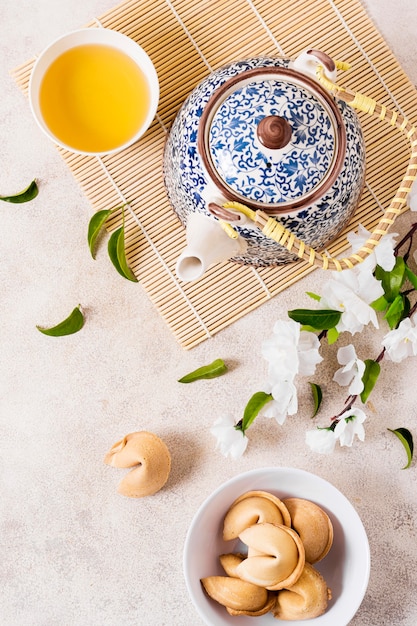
point(274, 132)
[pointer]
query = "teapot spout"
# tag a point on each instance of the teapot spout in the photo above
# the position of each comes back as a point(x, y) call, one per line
point(207, 243)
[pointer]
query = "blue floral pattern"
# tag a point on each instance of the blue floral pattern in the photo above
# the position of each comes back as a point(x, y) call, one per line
point(189, 187)
point(271, 177)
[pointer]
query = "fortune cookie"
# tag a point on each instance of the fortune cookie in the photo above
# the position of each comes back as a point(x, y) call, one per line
point(254, 507)
point(306, 599)
point(235, 594)
point(313, 525)
point(269, 606)
point(229, 562)
point(150, 459)
point(277, 557)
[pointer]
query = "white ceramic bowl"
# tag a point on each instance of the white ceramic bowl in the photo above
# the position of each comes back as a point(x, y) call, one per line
point(103, 36)
point(346, 567)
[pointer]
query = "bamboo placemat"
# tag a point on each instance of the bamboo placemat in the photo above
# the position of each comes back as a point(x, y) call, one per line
point(187, 39)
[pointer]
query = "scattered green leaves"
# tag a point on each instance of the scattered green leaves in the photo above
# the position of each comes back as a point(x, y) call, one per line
point(321, 319)
point(213, 370)
point(406, 439)
point(72, 324)
point(95, 227)
point(116, 245)
point(255, 404)
point(317, 397)
point(26, 195)
point(369, 378)
point(117, 254)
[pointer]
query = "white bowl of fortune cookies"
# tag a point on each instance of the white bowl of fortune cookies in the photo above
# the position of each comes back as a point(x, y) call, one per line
point(276, 545)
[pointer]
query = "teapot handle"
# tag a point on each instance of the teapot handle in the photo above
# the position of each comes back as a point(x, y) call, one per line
point(273, 229)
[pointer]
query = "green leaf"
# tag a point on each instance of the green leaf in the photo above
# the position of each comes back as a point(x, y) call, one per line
point(406, 439)
point(321, 319)
point(112, 249)
point(314, 296)
point(26, 195)
point(380, 304)
point(217, 368)
point(121, 255)
point(70, 325)
point(398, 310)
point(369, 378)
point(317, 397)
point(407, 307)
point(95, 226)
point(255, 404)
point(116, 250)
point(411, 277)
point(332, 336)
point(395, 311)
point(392, 281)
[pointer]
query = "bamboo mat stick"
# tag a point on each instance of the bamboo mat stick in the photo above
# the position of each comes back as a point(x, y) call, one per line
point(186, 40)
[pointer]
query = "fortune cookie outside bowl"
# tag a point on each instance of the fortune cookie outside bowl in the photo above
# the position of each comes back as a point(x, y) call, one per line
point(150, 459)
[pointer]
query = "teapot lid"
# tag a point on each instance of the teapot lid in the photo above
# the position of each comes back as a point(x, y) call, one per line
point(272, 138)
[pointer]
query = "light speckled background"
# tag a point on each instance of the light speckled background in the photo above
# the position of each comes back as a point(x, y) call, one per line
point(73, 551)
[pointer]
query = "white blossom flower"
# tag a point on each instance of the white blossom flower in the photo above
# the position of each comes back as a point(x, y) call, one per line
point(349, 425)
point(290, 351)
point(401, 342)
point(321, 440)
point(284, 401)
point(351, 293)
point(230, 441)
point(280, 350)
point(352, 371)
point(308, 353)
point(274, 410)
point(383, 253)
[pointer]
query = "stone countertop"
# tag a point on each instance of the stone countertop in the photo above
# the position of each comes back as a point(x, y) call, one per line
point(74, 551)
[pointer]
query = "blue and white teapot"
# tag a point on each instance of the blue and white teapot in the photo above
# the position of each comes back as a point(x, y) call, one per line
point(265, 134)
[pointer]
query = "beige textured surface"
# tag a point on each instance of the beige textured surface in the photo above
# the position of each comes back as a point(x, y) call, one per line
point(73, 551)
